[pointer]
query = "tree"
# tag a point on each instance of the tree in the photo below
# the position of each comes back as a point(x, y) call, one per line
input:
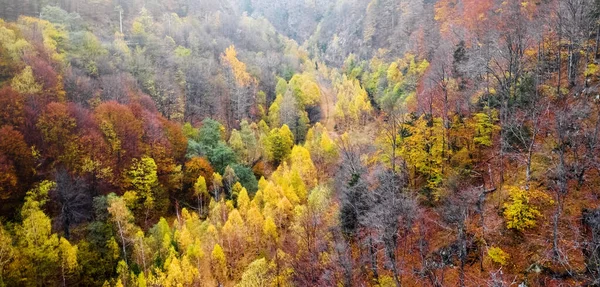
point(74, 200)
point(280, 143)
point(392, 214)
point(194, 168)
point(201, 193)
point(242, 97)
point(121, 216)
point(25, 83)
point(16, 164)
point(219, 264)
point(256, 274)
point(353, 106)
point(11, 107)
point(305, 90)
point(142, 183)
point(7, 253)
point(68, 259)
point(322, 149)
point(301, 162)
point(122, 131)
point(521, 212)
point(58, 130)
point(38, 244)
point(310, 224)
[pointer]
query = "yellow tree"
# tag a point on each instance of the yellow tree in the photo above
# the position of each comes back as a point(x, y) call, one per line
point(201, 193)
point(323, 150)
point(123, 219)
point(280, 142)
point(7, 252)
point(302, 163)
point(238, 68)
point(142, 181)
point(422, 147)
point(68, 258)
point(25, 83)
point(243, 201)
point(243, 91)
point(270, 230)
point(256, 274)
point(219, 264)
point(234, 239)
point(39, 247)
point(305, 89)
point(353, 106)
point(254, 224)
point(274, 112)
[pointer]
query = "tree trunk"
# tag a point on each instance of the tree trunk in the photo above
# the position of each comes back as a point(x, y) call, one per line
point(392, 257)
point(122, 241)
point(555, 218)
point(143, 255)
point(597, 42)
point(373, 259)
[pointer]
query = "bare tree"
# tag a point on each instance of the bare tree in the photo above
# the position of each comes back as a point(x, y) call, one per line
point(74, 201)
point(392, 214)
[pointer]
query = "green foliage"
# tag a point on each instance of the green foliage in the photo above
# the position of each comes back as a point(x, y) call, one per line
point(280, 143)
point(210, 143)
point(221, 156)
point(484, 125)
point(246, 177)
point(305, 89)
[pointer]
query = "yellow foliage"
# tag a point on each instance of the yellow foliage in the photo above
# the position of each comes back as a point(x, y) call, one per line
point(25, 83)
point(305, 89)
point(520, 213)
point(219, 263)
point(498, 255)
point(55, 38)
point(353, 106)
point(238, 68)
point(270, 229)
point(256, 274)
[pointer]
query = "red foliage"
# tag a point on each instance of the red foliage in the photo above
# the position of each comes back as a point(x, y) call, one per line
point(16, 163)
point(11, 107)
point(46, 75)
point(58, 130)
point(128, 130)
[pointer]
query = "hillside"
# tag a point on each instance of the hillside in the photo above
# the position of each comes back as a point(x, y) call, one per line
point(299, 143)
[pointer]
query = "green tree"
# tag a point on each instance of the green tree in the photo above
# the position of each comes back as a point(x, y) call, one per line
point(280, 141)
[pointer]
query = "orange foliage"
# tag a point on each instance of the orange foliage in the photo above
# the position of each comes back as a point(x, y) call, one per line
point(16, 162)
point(195, 167)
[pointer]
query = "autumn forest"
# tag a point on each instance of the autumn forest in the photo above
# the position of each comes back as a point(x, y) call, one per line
point(282, 143)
